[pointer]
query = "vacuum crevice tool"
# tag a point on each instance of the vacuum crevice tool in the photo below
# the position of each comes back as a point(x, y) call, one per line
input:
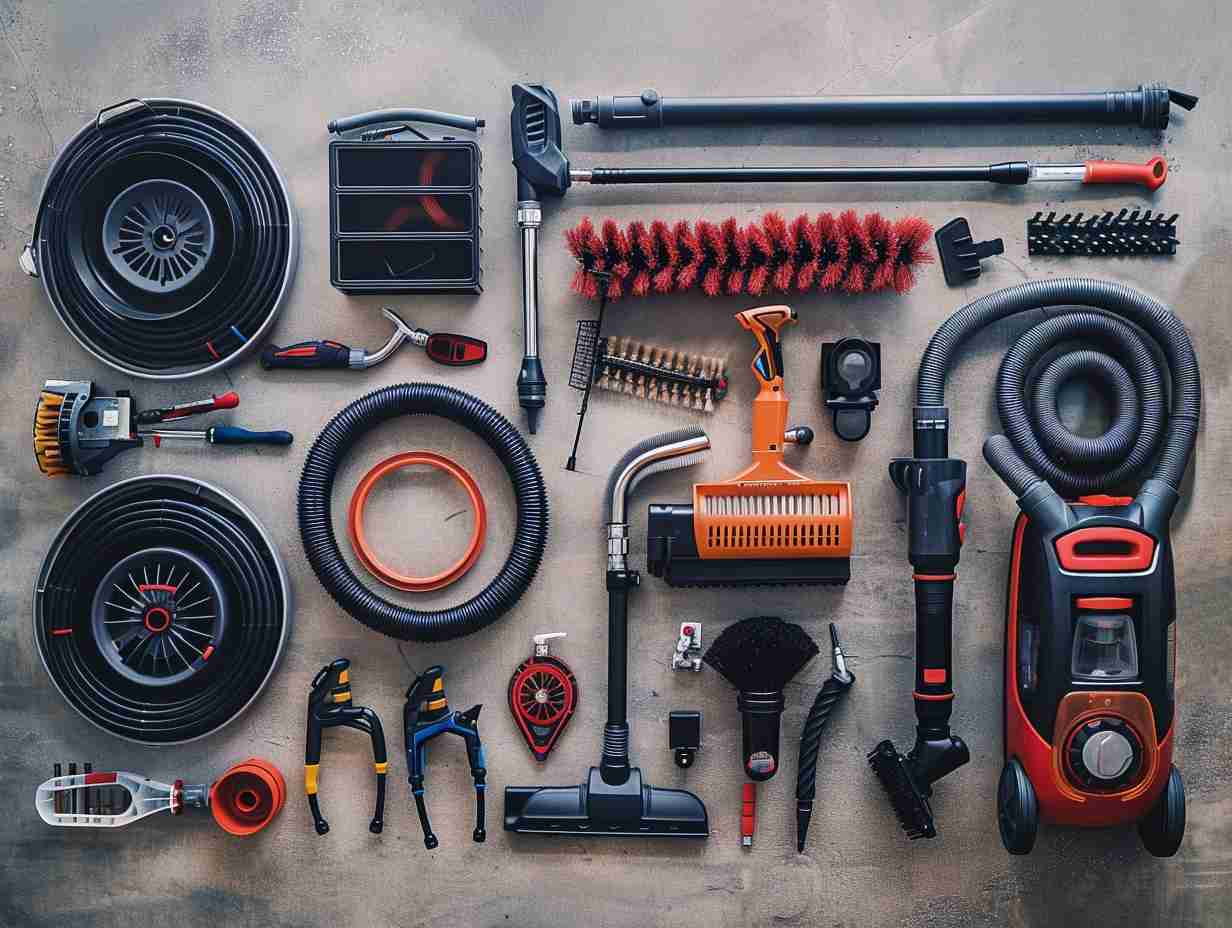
point(614, 801)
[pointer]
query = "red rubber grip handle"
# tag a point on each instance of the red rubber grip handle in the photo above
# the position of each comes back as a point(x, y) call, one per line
point(1150, 175)
point(748, 812)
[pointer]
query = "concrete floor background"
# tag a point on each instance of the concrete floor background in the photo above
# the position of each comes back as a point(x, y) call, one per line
point(282, 69)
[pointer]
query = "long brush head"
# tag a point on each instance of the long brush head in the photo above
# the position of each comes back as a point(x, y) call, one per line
point(761, 654)
point(846, 253)
point(49, 451)
point(910, 804)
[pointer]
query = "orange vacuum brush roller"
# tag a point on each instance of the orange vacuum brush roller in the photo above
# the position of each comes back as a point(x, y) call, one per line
point(768, 524)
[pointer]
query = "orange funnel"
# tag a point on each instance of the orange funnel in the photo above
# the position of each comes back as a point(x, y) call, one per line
point(247, 797)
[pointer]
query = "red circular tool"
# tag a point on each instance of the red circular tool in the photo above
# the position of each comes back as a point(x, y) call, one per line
point(359, 542)
point(247, 797)
point(542, 696)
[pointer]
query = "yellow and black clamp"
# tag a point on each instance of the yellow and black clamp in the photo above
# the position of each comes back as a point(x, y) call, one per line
point(329, 704)
point(424, 716)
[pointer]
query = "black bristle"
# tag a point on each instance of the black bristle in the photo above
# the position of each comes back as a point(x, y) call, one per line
point(761, 654)
point(910, 805)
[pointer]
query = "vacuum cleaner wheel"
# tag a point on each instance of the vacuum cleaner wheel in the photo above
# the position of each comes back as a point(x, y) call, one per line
point(161, 609)
point(164, 238)
point(1164, 826)
point(1017, 809)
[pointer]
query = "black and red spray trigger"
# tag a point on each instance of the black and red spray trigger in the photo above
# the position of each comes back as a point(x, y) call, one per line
point(543, 695)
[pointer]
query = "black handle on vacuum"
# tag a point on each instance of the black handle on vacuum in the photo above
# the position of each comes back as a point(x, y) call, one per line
point(312, 355)
point(234, 435)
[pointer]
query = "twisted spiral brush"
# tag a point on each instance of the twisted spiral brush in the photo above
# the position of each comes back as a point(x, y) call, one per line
point(847, 252)
point(828, 696)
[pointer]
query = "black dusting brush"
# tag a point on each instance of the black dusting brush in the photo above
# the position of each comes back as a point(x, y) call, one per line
point(759, 656)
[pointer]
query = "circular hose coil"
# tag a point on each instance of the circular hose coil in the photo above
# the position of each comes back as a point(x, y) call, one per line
point(164, 238)
point(316, 521)
point(159, 514)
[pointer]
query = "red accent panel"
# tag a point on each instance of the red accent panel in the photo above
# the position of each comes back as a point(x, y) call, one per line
point(748, 810)
point(61, 631)
point(308, 352)
point(210, 347)
point(93, 779)
point(930, 697)
point(962, 533)
point(934, 674)
point(1104, 603)
point(932, 576)
point(960, 505)
point(1141, 550)
point(166, 588)
point(205, 655)
point(1103, 499)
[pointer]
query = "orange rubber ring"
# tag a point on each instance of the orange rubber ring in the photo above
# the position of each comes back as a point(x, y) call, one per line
point(355, 522)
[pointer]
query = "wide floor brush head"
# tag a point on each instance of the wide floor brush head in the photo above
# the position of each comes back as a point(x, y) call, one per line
point(846, 253)
point(761, 654)
point(910, 804)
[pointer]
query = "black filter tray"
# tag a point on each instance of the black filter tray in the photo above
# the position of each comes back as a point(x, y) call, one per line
point(404, 216)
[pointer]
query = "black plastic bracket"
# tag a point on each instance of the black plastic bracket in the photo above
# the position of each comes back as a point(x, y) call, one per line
point(960, 253)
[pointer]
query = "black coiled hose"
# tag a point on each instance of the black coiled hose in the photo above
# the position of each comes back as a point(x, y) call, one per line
point(204, 325)
point(316, 523)
point(161, 512)
point(1036, 445)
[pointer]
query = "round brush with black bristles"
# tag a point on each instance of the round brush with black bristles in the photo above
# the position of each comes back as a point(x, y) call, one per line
point(759, 657)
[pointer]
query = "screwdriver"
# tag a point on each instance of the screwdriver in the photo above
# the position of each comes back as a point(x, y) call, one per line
point(219, 435)
point(180, 410)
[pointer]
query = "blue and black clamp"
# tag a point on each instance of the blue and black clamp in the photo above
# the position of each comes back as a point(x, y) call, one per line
point(426, 715)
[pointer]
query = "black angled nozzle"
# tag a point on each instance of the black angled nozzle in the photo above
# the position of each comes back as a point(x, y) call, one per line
point(909, 802)
point(538, 155)
point(1186, 101)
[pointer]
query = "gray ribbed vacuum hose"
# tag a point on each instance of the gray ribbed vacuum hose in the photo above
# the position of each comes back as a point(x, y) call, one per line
point(1036, 446)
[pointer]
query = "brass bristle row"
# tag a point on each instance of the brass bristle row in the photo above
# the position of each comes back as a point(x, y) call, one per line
point(651, 372)
point(47, 450)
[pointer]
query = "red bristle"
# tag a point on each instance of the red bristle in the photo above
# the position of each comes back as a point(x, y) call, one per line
point(739, 254)
point(835, 251)
point(644, 253)
point(808, 244)
point(689, 253)
point(715, 252)
point(858, 269)
point(913, 236)
point(586, 284)
point(667, 256)
point(780, 251)
point(884, 242)
point(616, 244)
point(760, 252)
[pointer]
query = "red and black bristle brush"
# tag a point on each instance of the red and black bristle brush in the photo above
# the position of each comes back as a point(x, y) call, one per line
point(848, 253)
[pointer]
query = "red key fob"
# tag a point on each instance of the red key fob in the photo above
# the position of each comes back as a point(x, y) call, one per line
point(456, 350)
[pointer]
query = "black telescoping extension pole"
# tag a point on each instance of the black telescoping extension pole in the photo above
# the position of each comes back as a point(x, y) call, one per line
point(1148, 106)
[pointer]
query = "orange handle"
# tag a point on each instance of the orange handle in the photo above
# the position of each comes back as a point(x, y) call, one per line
point(766, 322)
point(1150, 175)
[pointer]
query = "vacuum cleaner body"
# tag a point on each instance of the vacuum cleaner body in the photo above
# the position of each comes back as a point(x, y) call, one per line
point(1090, 659)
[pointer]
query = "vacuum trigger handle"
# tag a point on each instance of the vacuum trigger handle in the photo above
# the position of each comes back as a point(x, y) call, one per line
point(306, 356)
point(766, 323)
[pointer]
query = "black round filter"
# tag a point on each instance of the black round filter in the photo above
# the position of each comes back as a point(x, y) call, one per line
point(161, 609)
point(164, 238)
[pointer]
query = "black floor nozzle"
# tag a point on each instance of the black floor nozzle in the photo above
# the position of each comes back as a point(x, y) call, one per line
point(908, 779)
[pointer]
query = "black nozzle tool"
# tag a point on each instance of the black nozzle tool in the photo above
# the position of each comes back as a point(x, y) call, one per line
point(961, 254)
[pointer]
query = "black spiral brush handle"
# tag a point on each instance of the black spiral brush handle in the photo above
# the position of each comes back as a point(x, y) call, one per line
point(810, 738)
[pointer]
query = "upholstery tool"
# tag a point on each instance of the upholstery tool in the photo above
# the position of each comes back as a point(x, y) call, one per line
point(243, 800)
point(848, 253)
point(613, 800)
point(359, 539)
point(688, 653)
point(316, 522)
point(769, 524)
point(961, 254)
point(161, 609)
point(1147, 106)
point(329, 705)
point(827, 699)
point(1102, 235)
point(425, 715)
point(1088, 721)
point(759, 657)
point(77, 433)
point(164, 238)
point(543, 695)
point(684, 736)
point(404, 208)
point(442, 347)
point(850, 379)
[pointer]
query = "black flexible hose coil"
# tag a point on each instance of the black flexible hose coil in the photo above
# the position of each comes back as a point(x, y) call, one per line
point(161, 512)
point(316, 523)
point(204, 325)
point(1036, 445)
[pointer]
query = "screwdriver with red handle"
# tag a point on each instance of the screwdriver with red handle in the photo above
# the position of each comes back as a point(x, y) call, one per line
point(445, 348)
point(180, 410)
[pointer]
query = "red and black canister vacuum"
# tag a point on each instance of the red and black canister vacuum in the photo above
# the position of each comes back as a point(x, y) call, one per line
point(1090, 655)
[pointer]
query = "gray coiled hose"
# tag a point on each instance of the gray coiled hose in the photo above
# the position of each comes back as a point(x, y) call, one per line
point(1036, 445)
point(316, 523)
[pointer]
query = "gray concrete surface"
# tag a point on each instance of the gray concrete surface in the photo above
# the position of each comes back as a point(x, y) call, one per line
point(282, 69)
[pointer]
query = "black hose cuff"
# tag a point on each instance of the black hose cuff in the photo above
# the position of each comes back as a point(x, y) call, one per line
point(316, 523)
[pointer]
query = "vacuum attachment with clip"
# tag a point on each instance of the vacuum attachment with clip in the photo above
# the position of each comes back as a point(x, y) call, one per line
point(243, 800)
point(77, 433)
point(769, 524)
point(613, 801)
point(543, 695)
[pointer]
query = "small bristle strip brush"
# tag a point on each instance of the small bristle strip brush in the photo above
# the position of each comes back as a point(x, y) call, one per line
point(1102, 235)
point(651, 372)
point(848, 253)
